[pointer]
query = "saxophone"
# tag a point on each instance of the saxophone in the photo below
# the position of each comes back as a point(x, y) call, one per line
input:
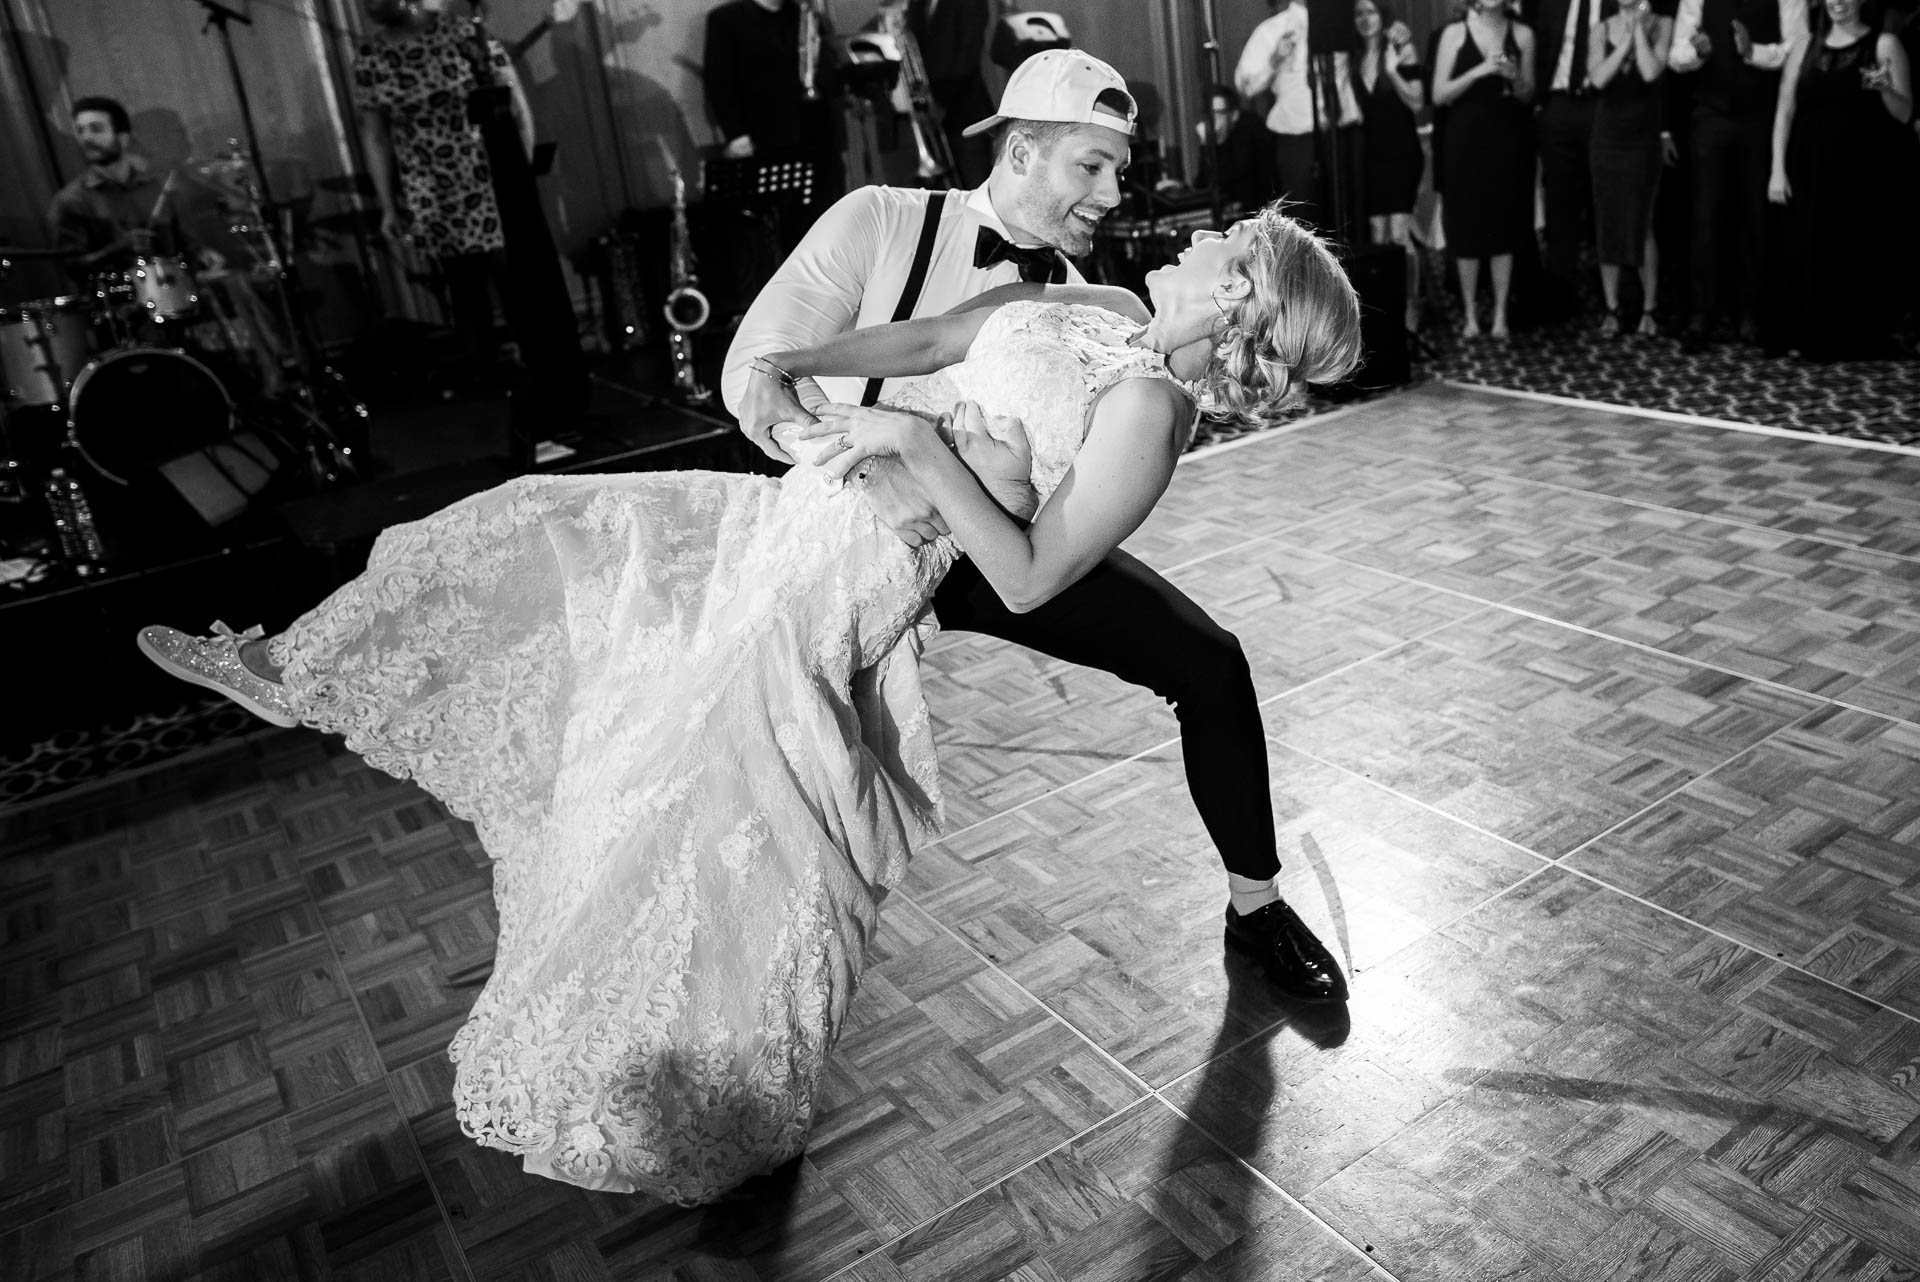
point(687, 309)
point(913, 97)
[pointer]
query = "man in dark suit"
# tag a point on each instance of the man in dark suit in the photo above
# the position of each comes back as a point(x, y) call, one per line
point(952, 34)
point(759, 103)
point(1564, 128)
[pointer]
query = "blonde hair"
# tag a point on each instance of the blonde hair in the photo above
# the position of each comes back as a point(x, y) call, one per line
point(1299, 324)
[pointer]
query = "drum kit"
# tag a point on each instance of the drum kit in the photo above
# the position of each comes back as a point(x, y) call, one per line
point(147, 364)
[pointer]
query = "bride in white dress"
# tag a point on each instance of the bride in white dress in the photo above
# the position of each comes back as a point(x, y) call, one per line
point(683, 709)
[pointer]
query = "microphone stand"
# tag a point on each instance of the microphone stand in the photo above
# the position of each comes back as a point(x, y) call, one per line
point(332, 459)
point(1210, 76)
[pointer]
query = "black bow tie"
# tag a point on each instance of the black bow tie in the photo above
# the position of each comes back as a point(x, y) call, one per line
point(1041, 263)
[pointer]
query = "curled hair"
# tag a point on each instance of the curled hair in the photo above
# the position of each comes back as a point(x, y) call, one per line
point(108, 107)
point(1299, 324)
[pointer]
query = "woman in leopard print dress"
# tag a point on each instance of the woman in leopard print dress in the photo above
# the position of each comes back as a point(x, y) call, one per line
point(411, 81)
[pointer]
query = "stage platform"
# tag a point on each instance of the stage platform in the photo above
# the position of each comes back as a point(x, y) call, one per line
point(1595, 748)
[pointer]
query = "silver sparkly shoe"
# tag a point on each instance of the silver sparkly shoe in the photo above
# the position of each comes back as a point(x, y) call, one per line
point(214, 662)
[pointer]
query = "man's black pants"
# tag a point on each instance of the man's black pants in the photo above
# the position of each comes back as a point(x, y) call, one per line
point(1125, 619)
point(1732, 161)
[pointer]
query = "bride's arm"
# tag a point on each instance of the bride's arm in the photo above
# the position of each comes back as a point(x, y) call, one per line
point(899, 350)
point(1124, 466)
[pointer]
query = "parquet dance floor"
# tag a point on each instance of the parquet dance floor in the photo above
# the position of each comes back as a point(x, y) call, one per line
point(1595, 751)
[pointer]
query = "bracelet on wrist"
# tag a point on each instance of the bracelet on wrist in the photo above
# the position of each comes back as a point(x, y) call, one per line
point(762, 365)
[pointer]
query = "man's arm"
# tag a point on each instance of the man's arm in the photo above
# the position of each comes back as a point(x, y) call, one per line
point(1682, 56)
point(815, 294)
point(1793, 30)
point(1253, 74)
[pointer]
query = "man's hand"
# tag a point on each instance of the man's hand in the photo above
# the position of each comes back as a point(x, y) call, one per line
point(899, 503)
point(1702, 45)
point(1742, 41)
point(740, 148)
point(767, 402)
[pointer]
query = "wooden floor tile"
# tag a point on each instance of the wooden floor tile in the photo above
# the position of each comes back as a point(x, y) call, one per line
point(1541, 734)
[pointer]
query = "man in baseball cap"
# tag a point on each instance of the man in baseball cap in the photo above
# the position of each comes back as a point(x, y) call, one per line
point(1064, 86)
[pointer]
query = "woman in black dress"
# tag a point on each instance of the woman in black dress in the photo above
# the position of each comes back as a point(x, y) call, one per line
point(1389, 82)
point(1842, 165)
point(1625, 57)
point(1484, 76)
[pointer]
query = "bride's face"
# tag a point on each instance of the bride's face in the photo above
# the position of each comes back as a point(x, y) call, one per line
point(1202, 268)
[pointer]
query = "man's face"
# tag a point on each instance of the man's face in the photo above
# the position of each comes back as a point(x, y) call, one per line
point(98, 141)
point(1223, 115)
point(1064, 192)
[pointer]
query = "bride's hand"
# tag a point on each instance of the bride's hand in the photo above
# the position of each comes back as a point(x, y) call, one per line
point(864, 432)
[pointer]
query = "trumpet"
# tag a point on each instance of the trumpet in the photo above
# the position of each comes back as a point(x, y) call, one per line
point(913, 96)
point(810, 23)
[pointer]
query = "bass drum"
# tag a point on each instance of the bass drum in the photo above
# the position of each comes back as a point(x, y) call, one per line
point(137, 407)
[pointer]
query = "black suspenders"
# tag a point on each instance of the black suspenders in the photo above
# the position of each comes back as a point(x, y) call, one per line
point(916, 275)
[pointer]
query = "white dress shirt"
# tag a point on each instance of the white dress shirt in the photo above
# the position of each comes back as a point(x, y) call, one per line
point(847, 273)
point(1769, 57)
point(1579, 11)
point(1256, 73)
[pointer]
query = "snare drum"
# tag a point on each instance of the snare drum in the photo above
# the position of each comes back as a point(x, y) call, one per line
point(43, 347)
point(165, 287)
point(137, 407)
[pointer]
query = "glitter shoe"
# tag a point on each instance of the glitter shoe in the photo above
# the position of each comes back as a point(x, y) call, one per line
point(214, 662)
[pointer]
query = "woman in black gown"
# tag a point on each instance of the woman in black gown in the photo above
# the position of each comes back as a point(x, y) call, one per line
point(1484, 76)
point(1843, 164)
point(1389, 83)
point(1626, 56)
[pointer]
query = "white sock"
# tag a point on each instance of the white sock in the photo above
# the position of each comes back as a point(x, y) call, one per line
point(1250, 894)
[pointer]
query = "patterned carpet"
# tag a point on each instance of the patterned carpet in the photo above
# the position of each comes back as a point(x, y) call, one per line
point(1735, 382)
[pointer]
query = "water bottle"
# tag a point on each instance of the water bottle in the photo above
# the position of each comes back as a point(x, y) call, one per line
point(73, 523)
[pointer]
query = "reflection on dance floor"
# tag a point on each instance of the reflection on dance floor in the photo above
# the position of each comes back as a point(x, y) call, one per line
point(1595, 740)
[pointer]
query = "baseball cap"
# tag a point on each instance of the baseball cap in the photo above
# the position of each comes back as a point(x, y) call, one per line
point(1060, 85)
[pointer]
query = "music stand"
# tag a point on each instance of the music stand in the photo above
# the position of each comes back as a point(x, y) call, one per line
point(758, 182)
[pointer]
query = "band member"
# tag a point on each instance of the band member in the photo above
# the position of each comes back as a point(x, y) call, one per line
point(952, 34)
point(120, 208)
point(758, 97)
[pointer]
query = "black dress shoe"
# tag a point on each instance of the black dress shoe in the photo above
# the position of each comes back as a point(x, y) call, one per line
point(1298, 964)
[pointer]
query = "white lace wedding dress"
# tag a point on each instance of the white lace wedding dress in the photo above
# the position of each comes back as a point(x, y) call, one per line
point(683, 711)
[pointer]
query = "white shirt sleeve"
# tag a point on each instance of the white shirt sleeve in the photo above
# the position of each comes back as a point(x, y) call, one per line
point(1681, 55)
point(817, 291)
point(1254, 72)
point(1793, 27)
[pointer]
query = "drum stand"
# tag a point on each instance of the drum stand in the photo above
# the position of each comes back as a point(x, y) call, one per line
point(330, 460)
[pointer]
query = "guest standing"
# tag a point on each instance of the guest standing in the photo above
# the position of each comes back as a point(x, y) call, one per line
point(1484, 76)
point(1564, 128)
point(1392, 91)
point(1842, 159)
point(1627, 54)
point(1733, 50)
